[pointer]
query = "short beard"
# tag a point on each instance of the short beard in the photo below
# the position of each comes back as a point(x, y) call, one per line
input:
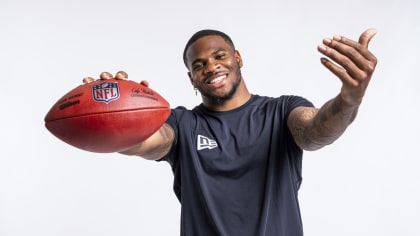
point(222, 99)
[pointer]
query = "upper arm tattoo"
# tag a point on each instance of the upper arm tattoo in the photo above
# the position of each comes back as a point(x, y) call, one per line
point(298, 122)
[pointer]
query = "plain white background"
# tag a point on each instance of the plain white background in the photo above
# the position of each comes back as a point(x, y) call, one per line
point(367, 183)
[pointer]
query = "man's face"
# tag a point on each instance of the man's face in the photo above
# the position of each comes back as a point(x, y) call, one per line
point(214, 68)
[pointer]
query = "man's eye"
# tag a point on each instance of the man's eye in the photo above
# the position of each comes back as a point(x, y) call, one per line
point(220, 56)
point(198, 66)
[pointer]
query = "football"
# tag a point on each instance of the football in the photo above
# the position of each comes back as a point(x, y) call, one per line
point(107, 116)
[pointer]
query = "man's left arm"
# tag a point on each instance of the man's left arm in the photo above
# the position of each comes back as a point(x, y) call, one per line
point(353, 64)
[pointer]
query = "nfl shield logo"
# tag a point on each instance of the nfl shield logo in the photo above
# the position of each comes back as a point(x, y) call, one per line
point(105, 92)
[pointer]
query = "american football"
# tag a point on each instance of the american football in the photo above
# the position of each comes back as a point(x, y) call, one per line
point(106, 116)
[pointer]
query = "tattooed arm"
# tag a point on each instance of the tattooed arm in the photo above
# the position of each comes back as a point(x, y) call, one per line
point(156, 146)
point(354, 65)
point(313, 128)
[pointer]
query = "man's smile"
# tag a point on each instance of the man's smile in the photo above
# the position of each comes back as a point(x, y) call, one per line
point(218, 81)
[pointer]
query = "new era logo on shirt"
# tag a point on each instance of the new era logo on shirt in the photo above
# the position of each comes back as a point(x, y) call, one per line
point(205, 143)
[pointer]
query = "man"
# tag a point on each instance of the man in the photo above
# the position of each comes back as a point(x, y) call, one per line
point(236, 157)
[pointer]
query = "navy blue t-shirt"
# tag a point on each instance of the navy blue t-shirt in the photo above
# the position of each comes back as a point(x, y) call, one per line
point(238, 172)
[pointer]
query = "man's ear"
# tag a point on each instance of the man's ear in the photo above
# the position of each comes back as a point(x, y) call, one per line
point(238, 58)
point(191, 79)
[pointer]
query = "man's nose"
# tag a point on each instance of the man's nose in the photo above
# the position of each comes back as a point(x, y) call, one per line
point(212, 66)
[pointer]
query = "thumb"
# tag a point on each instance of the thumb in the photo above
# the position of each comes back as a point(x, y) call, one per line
point(366, 36)
point(144, 83)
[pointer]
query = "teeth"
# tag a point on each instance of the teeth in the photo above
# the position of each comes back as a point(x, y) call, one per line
point(217, 79)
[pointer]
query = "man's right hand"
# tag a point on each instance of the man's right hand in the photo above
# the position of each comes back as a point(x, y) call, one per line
point(119, 75)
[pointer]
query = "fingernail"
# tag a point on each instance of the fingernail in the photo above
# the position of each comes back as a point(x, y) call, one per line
point(87, 80)
point(327, 40)
point(121, 75)
point(322, 47)
point(338, 38)
point(105, 75)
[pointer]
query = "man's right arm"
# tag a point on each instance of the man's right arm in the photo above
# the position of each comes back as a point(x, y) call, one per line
point(156, 146)
point(159, 143)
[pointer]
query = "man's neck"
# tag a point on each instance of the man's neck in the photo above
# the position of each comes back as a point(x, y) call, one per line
point(241, 96)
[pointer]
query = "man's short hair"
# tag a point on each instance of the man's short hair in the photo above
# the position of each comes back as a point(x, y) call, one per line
point(203, 33)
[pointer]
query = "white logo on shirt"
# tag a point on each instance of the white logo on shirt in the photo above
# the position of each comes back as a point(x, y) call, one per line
point(204, 142)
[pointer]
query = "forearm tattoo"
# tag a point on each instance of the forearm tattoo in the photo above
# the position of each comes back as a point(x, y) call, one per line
point(317, 128)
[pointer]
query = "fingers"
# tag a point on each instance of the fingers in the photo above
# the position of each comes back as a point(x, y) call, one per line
point(343, 66)
point(105, 75)
point(340, 72)
point(366, 36)
point(351, 61)
point(352, 48)
point(87, 80)
point(121, 75)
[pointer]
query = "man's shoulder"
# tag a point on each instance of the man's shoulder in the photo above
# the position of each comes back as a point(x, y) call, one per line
point(282, 99)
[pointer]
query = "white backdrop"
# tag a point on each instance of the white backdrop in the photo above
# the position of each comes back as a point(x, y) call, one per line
point(367, 183)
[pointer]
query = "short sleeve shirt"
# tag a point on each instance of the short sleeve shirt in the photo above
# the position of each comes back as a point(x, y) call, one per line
point(237, 172)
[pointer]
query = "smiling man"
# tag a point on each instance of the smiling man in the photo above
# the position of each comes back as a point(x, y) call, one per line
point(215, 72)
point(237, 157)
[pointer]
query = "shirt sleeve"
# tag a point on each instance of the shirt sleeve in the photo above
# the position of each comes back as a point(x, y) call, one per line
point(296, 101)
point(173, 121)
